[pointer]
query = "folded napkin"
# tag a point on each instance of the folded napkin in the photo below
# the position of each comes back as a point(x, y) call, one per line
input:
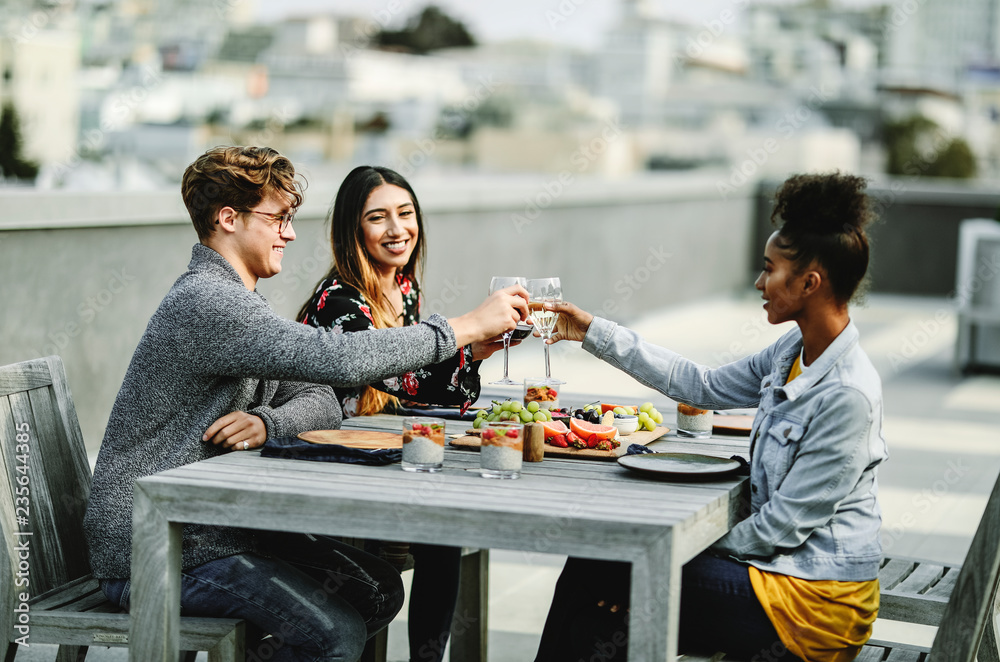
point(638, 449)
point(293, 448)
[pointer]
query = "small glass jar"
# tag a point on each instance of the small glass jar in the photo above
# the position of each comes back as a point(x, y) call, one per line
point(501, 450)
point(693, 422)
point(546, 396)
point(423, 444)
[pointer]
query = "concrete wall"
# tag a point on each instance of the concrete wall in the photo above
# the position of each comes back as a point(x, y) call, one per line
point(83, 273)
point(915, 240)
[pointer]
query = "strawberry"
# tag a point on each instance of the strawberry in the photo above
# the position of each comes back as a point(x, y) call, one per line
point(615, 443)
point(559, 440)
point(593, 441)
point(489, 433)
point(603, 445)
point(512, 433)
point(579, 443)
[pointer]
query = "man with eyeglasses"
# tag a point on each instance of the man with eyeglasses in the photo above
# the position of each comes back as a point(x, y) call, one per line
point(218, 371)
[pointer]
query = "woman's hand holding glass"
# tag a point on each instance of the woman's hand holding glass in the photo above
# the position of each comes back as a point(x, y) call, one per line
point(572, 324)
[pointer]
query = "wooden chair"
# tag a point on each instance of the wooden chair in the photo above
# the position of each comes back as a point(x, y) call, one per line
point(966, 626)
point(47, 595)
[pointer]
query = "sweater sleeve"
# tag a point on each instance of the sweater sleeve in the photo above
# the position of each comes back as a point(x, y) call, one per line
point(454, 381)
point(299, 406)
point(235, 333)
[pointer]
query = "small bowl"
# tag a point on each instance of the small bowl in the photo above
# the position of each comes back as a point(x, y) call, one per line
point(626, 424)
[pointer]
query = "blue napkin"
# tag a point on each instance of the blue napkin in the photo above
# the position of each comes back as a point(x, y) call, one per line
point(638, 449)
point(293, 448)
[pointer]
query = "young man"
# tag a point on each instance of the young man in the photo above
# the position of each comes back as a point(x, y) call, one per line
point(216, 371)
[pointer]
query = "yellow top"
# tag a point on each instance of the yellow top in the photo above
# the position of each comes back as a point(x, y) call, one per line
point(818, 621)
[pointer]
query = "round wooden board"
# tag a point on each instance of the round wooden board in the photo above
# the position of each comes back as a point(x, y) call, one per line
point(363, 439)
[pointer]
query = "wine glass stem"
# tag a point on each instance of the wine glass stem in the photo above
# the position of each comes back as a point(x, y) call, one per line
point(548, 372)
point(506, 345)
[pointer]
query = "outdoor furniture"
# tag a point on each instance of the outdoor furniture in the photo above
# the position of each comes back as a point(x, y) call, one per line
point(594, 509)
point(967, 625)
point(44, 487)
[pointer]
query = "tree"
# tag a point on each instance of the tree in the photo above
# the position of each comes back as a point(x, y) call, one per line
point(13, 165)
point(918, 147)
point(431, 30)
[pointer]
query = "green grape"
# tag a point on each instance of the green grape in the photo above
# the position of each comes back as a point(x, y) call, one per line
point(532, 406)
point(649, 424)
point(515, 406)
point(548, 414)
point(658, 417)
point(643, 417)
point(481, 413)
point(506, 406)
point(477, 423)
point(491, 417)
point(539, 416)
point(526, 416)
point(619, 410)
point(646, 406)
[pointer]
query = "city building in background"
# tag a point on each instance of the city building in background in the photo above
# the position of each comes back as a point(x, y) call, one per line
point(122, 94)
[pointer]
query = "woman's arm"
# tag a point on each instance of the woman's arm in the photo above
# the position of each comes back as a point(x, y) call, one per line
point(734, 385)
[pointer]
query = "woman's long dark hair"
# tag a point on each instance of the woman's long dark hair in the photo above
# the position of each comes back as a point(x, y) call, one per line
point(353, 266)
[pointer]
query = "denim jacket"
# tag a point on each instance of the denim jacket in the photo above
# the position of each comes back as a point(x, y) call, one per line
point(815, 446)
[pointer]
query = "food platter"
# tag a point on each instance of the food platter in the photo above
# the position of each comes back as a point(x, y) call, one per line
point(680, 466)
point(470, 441)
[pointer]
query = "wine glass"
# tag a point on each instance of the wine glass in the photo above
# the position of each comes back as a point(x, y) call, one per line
point(498, 283)
point(540, 292)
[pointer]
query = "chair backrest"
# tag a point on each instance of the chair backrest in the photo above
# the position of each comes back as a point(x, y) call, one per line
point(970, 609)
point(44, 485)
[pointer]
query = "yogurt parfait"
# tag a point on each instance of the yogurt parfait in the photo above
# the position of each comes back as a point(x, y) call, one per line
point(501, 451)
point(423, 444)
point(693, 422)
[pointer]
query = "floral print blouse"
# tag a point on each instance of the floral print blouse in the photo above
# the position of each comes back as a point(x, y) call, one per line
point(343, 309)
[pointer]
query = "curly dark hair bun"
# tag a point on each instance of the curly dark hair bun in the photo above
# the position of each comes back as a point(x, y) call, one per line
point(821, 220)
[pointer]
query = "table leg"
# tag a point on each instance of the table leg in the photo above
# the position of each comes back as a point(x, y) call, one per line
point(655, 606)
point(154, 628)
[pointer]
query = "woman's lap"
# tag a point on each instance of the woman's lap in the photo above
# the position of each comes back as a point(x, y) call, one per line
point(719, 612)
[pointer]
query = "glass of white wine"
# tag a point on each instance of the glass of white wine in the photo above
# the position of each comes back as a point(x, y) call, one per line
point(540, 292)
point(498, 283)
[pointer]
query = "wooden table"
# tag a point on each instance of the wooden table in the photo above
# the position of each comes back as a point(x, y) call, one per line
point(584, 508)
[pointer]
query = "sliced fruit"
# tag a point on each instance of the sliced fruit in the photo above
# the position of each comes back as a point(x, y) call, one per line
point(586, 430)
point(553, 428)
point(632, 409)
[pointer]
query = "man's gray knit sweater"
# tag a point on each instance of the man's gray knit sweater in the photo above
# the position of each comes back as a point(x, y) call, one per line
point(211, 348)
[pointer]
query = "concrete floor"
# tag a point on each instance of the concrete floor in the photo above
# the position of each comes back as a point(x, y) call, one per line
point(943, 430)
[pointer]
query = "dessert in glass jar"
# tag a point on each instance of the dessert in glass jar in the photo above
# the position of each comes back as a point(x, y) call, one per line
point(423, 444)
point(501, 450)
point(693, 422)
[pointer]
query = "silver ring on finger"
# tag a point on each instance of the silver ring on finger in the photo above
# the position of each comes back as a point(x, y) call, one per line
point(246, 445)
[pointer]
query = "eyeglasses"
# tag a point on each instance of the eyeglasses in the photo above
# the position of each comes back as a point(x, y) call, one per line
point(283, 220)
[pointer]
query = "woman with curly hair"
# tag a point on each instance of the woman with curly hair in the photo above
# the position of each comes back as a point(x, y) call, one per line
point(796, 579)
point(377, 234)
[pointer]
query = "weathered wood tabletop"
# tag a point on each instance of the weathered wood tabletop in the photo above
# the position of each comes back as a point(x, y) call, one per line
point(579, 507)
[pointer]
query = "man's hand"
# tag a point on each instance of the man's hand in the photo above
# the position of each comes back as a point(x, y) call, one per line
point(235, 428)
point(572, 324)
point(499, 312)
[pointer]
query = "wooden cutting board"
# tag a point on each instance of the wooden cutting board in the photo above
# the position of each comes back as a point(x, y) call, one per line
point(736, 424)
point(472, 442)
point(363, 439)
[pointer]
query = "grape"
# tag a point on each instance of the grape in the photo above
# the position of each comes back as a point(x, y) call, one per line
point(548, 414)
point(649, 425)
point(477, 423)
point(643, 417)
point(539, 416)
point(506, 406)
point(646, 406)
point(515, 406)
point(481, 413)
point(532, 407)
point(619, 410)
point(526, 416)
point(658, 417)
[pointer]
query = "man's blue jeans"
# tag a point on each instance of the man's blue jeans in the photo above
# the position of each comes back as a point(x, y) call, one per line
point(318, 598)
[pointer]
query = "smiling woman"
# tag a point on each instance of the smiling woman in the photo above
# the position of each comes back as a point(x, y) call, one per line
point(377, 234)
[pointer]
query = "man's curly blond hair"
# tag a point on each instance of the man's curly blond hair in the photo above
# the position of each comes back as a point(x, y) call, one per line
point(237, 177)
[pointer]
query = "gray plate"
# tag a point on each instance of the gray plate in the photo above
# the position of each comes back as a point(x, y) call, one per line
point(689, 466)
